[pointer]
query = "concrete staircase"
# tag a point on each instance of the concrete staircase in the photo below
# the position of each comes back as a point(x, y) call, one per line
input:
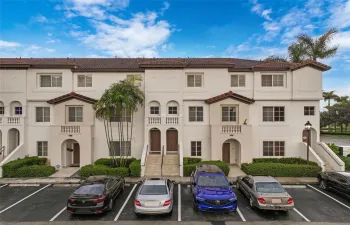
point(327, 166)
point(153, 166)
point(170, 166)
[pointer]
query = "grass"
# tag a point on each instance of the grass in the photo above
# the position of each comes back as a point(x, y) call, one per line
point(346, 136)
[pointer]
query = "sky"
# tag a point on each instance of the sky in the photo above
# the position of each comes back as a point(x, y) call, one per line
point(250, 29)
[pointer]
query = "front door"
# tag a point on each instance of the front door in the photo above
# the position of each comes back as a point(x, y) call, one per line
point(226, 152)
point(305, 135)
point(171, 141)
point(76, 153)
point(155, 141)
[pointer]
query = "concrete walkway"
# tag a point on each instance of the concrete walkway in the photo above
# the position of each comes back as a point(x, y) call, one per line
point(235, 171)
point(340, 141)
point(66, 172)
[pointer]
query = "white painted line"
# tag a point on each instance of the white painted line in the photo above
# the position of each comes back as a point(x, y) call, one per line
point(126, 201)
point(3, 186)
point(300, 214)
point(24, 199)
point(179, 204)
point(329, 196)
point(59, 213)
point(241, 215)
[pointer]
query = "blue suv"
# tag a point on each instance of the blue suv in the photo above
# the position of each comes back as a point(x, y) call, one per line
point(211, 190)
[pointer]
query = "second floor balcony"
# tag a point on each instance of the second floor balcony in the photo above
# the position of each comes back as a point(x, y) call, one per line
point(157, 120)
point(11, 120)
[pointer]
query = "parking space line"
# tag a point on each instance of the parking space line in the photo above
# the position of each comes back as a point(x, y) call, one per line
point(179, 204)
point(126, 201)
point(329, 196)
point(59, 213)
point(300, 214)
point(24, 198)
point(3, 185)
point(241, 215)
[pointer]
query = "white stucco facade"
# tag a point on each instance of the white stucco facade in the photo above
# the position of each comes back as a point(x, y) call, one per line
point(163, 88)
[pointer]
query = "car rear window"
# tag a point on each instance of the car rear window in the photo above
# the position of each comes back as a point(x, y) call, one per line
point(269, 187)
point(153, 190)
point(212, 181)
point(92, 189)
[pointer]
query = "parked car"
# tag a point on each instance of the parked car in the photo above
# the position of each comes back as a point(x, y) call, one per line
point(211, 190)
point(336, 181)
point(265, 192)
point(154, 196)
point(96, 195)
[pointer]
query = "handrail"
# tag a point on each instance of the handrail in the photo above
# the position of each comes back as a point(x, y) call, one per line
point(2, 150)
point(334, 157)
point(161, 165)
point(144, 156)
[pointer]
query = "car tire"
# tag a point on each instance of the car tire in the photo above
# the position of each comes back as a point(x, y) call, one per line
point(110, 205)
point(251, 203)
point(323, 184)
point(123, 186)
point(194, 207)
point(237, 186)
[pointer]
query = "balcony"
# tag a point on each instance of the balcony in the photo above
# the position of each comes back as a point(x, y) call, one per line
point(157, 120)
point(154, 120)
point(172, 120)
point(11, 120)
point(70, 129)
point(231, 129)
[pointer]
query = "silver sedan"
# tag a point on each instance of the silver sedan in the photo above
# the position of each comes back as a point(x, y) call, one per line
point(265, 192)
point(155, 196)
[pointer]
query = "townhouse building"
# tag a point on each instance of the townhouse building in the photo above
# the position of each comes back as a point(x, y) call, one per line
point(225, 109)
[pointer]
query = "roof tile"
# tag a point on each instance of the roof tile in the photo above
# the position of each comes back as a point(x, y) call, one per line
point(232, 95)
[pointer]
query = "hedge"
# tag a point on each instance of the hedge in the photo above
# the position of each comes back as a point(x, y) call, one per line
point(135, 168)
point(189, 168)
point(189, 160)
point(10, 168)
point(92, 170)
point(345, 159)
point(280, 170)
point(290, 160)
point(109, 162)
point(34, 171)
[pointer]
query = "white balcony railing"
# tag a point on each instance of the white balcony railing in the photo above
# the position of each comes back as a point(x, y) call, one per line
point(154, 120)
point(70, 129)
point(231, 129)
point(11, 120)
point(172, 120)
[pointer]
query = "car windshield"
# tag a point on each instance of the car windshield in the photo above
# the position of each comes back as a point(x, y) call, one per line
point(90, 189)
point(212, 181)
point(269, 187)
point(153, 190)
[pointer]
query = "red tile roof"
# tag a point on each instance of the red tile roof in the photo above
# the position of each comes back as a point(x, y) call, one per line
point(70, 96)
point(232, 95)
point(139, 64)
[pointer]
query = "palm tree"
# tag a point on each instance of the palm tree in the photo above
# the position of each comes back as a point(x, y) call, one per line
point(318, 48)
point(296, 52)
point(119, 101)
point(328, 96)
point(276, 58)
point(342, 99)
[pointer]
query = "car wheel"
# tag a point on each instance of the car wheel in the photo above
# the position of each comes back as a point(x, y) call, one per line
point(323, 184)
point(251, 203)
point(237, 186)
point(123, 186)
point(110, 205)
point(194, 207)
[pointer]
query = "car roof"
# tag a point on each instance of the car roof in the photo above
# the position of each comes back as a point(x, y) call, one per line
point(264, 179)
point(155, 182)
point(209, 169)
point(97, 179)
point(347, 174)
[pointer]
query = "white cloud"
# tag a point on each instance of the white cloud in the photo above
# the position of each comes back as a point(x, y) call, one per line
point(314, 8)
point(259, 9)
point(9, 44)
point(165, 8)
point(49, 34)
point(50, 50)
point(340, 17)
point(167, 47)
point(211, 46)
point(342, 39)
point(39, 18)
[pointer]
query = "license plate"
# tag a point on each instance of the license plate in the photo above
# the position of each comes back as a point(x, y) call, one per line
point(276, 201)
point(152, 203)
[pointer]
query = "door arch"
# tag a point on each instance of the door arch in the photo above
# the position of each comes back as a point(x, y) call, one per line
point(172, 140)
point(154, 141)
point(313, 136)
point(70, 153)
point(231, 151)
point(13, 139)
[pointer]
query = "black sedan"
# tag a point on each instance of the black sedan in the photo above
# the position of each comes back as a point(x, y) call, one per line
point(96, 195)
point(336, 181)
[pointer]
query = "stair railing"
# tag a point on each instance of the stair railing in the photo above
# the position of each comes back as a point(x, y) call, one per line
point(2, 151)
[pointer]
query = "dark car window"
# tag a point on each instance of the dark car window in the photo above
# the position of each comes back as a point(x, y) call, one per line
point(110, 184)
point(212, 181)
point(269, 187)
point(153, 190)
point(168, 184)
point(340, 178)
point(90, 189)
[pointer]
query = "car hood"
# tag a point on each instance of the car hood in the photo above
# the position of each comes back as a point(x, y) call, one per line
point(216, 193)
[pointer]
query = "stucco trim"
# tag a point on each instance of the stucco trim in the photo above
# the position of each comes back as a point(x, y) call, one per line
point(232, 95)
point(70, 96)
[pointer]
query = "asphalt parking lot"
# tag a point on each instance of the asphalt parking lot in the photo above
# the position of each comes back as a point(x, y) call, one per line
point(48, 202)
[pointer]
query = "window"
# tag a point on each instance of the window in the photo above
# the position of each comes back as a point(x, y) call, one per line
point(126, 117)
point(18, 110)
point(237, 80)
point(196, 148)
point(121, 148)
point(50, 80)
point(196, 114)
point(273, 114)
point(42, 114)
point(309, 110)
point(273, 148)
point(228, 114)
point(154, 110)
point(194, 80)
point(172, 110)
point(272, 80)
point(84, 80)
point(2, 110)
point(75, 114)
point(42, 148)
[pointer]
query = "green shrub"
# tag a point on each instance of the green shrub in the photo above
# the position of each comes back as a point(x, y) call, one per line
point(290, 160)
point(189, 168)
point(109, 162)
point(135, 168)
point(346, 160)
point(34, 171)
point(280, 170)
point(10, 168)
point(189, 160)
point(92, 170)
point(334, 148)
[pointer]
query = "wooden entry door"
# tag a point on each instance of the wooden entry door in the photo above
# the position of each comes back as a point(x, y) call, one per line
point(76, 153)
point(155, 141)
point(171, 141)
point(305, 135)
point(226, 152)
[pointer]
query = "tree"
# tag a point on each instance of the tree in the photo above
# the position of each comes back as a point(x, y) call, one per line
point(117, 103)
point(328, 96)
point(342, 99)
point(276, 58)
point(296, 52)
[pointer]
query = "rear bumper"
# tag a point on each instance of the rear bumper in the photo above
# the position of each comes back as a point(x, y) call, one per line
point(86, 210)
point(275, 207)
point(231, 207)
point(155, 210)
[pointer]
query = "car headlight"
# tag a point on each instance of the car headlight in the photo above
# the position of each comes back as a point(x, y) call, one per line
point(199, 199)
point(233, 199)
